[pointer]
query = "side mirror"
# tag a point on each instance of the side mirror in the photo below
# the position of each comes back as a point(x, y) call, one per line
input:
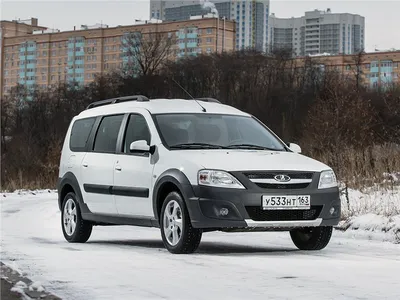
point(295, 148)
point(141, 147)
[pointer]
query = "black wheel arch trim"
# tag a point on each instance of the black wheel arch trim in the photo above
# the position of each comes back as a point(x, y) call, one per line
point(179, 179)
point(70, 179)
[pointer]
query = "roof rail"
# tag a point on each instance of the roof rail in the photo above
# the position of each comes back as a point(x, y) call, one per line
point(209, 100)
point(138, 98)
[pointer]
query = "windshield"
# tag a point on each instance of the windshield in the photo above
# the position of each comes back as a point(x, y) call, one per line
point(215, 131)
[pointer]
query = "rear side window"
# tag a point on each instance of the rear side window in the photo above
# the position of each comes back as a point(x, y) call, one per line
point(107, 134)
point(80, 134)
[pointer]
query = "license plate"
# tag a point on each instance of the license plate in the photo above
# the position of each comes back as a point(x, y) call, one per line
point(286, 202)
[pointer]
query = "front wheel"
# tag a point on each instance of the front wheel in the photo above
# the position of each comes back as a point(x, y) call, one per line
point(178, 235)
point(311, 238)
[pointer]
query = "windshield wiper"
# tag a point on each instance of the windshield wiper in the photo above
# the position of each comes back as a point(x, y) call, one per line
point(250, 146)
point(196, 146)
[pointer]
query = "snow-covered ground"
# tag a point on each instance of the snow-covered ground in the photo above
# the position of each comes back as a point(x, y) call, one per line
point(373, 213)
point(131, 262)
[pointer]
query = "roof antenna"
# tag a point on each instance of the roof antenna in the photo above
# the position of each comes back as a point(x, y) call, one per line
point(202, 108)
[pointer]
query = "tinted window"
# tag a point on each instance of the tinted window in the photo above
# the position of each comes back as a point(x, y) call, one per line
point(107, 134)
point(137, 130)
point(80, 134)
point(224, 131)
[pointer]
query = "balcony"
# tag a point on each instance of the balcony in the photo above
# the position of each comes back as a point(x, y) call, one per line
point(192, 35)
point(192, 45)
point(312, 44)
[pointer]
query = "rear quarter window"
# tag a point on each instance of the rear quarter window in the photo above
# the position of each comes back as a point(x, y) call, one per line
point(80, 134)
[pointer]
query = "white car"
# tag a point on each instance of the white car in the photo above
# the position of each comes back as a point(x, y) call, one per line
point(188, 167)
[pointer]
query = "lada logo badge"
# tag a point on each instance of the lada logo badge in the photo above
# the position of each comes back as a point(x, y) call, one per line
point(282, 178)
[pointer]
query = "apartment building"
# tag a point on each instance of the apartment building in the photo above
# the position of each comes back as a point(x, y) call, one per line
point(251, 17)
point(376, 69)
point(47, 58)
point(318, 32)
point(13, 29)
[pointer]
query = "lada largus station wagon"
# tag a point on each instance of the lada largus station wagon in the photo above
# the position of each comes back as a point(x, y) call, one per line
point(190, 167)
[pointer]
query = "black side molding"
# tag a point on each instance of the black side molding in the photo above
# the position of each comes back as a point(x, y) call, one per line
point(116, 190)
point(128, 191)
point(97, 189)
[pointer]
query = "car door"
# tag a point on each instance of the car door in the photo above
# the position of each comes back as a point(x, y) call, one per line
point(98, 166)
point(133, 171)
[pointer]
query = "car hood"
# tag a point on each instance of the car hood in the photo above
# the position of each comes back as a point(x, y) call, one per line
point(240, 160)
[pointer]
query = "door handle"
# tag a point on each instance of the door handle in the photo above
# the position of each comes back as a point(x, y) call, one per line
point(85, 165)
point(118, 168)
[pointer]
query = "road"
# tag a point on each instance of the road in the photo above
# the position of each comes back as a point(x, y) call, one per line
point(131, 263)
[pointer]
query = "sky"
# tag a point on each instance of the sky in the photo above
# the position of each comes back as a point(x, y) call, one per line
point(381, 16)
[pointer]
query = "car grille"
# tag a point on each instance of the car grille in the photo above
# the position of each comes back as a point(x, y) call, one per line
point(282, 186)
point(256, 213)
point(272, 184)
point(270, 175)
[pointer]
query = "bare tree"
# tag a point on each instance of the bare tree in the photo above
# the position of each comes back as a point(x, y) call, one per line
point(355, 66)
point(145, 53)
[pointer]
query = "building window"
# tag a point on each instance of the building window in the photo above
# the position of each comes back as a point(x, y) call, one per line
point(209, 30)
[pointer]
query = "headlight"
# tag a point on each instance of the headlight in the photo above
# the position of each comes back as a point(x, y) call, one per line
point(327, 180)
point(218, 179)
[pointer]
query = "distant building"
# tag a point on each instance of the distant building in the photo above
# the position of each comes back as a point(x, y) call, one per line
point(376, 69)
point(12, 29)
point(318, 32)
point(33, 55)
point(251, 17)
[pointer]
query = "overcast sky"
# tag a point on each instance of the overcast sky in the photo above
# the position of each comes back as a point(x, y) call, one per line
point(382, 17)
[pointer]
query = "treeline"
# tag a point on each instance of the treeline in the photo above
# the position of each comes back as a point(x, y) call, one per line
point(331, 115)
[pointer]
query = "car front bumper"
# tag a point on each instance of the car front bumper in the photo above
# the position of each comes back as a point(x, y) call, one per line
point(245, 211)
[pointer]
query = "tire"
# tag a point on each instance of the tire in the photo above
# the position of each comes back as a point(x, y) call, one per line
point(173, 214)
point(311, 238)
point(82, 230)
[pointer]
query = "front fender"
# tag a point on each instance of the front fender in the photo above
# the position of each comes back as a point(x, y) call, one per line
point(179, 179)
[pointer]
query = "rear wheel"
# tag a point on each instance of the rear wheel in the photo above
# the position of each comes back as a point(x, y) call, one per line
point(311, 238)
point(75, 229)
point(178, 235)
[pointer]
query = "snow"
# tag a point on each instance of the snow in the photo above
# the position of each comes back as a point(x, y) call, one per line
point(19, 287)
point(36, 286)
point(131, 262)
point(379, 201)
point(372, 214)
point(372, 226)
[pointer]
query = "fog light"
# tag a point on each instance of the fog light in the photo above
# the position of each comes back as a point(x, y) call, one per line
point(332, 210)
point(224, 211)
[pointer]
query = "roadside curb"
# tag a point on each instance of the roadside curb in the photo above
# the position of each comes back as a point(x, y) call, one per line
point(25, 287)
